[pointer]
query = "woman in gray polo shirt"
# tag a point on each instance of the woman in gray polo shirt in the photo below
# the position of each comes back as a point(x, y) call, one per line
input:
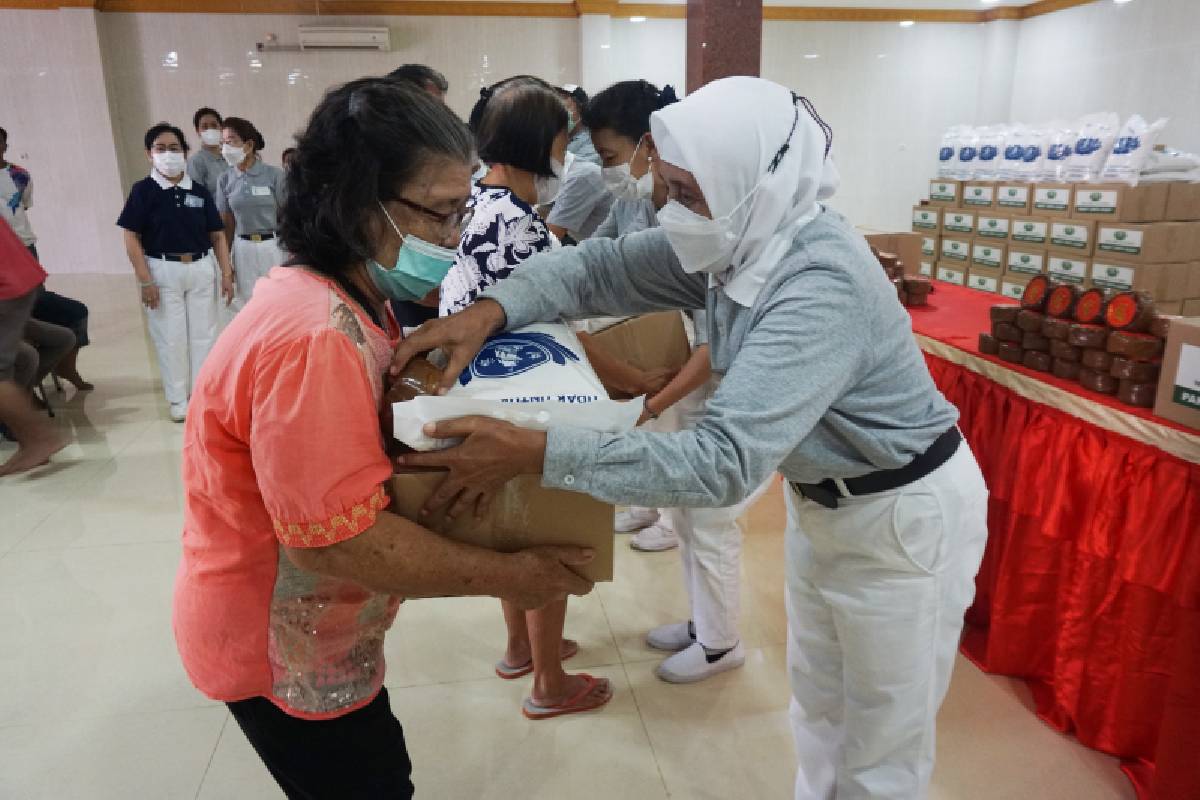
point(822, 382)
point(249, 196)
point(206, 166)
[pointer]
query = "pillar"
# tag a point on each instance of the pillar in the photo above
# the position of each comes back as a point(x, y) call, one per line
point(724, 37)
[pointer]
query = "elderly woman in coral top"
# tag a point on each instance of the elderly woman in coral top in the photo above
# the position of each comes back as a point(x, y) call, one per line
point(293, 569)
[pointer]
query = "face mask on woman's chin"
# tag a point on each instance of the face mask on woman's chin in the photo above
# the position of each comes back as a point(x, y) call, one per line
point(548, 187)
point(170, 165)
point(701, 244)
point(210, 137)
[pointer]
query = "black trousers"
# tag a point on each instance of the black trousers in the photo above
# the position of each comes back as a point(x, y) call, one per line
point(360, 756)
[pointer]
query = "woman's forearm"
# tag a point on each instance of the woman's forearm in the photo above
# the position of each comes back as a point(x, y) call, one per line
point(222, 250)
point(694, 374)
point(137, 256)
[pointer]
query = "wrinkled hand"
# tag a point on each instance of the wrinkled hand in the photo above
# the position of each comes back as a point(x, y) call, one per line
point(492, 454)
point(460, 336)
point(150, 297)
point(546, 575)
point(227, 288)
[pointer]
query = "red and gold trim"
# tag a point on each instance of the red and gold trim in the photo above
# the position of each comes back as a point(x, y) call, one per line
point(337, 528)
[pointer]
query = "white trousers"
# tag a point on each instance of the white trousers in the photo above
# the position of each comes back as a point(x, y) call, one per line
point(184, 325)
point(876, 593)
point(251, 261)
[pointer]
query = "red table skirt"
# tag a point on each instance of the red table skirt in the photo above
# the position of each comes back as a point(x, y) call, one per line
point(1090, 584)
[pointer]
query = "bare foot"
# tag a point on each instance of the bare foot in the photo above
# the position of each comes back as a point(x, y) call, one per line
point(601, 692)
point(33, 454)
point(515, 656)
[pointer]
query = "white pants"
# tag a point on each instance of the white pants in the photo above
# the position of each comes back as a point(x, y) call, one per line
point(877, 589)
point(184, 325)
point(251, 261)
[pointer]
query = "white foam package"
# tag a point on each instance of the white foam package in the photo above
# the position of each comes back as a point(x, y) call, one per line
point(1097, 133)
point(1170, 164)
point(1132, 150)
point(991, 146)
point(535, 377)
point(1060, 143)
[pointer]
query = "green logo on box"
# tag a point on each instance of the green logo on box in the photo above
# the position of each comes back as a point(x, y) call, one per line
point(1120, 236)
point(1067, 266)
point(1113, 272)
point(1069, 231)
point(958, 217)
point(941, 187)
point(1025, 259)
point(1186, 397)
point(1028, 227)
point(987, 251)
point(978, 192)
point(1095, 196)
point(1012, 192)
point(1052, 194)
point(992, 223)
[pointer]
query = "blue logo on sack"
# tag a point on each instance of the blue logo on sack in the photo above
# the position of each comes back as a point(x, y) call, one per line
point(988, 152)
point(1126, 145)
point(945, 154)
point(967, 153)
point(1014, 152)
point(1058, 152)
point(1087, 146)
point(515, 353)
point(1031, 153)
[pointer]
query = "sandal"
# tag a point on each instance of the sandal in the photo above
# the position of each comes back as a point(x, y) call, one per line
point(575, 704)
point(510, 673)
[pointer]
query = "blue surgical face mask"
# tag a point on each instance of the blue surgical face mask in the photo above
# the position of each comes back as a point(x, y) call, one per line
point(420, 267)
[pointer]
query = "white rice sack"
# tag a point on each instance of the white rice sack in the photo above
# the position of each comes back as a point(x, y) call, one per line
point(991, 148)
point(1097, 133)
point(968, 154)
point(1060, 143)
point(948, 152)
point(1023, 147)
point(536, 377)
point(1132, 150)
point(1033, 155)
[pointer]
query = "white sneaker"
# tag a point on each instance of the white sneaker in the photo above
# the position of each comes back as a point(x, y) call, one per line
point(178, 412)
point(635, 519)
point(691, 665)
point(671, 638)
point(654, 539)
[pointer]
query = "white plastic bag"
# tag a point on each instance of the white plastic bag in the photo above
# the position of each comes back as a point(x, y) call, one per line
point(1024, 149)
point(1060, 143)
point(536, 377)
point(991, 149)
point(968, 154)
point(948, 152)
point(1097, 132)
point(1132, 150)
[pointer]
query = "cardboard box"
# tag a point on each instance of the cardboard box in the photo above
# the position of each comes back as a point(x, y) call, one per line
point(1176, 307)
point(956, 248)
point(523, 514)
point(1189, 307)
point(1165, 282)
point(1120, 202)
point(987, 254)
point(1069, 269)
point(1193, 280)
point(979, 194)
point(985, 279)
point(1026, 260)
point(1030, 231)
point(1016, 198)
point(651, 341)
point(906, 245)
point(990, 225)
point(943, 192)
point(1183, 201)
point(927, 219)
point(957, 222)
point(1012, 284)
point(1052, 199)
point(1179, 388)
point(1074, 236)
point(952, 272)
point(930, 246)
point(1149, 242)
point(926, 268)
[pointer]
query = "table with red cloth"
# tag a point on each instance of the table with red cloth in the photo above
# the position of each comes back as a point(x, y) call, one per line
point(1090, 584)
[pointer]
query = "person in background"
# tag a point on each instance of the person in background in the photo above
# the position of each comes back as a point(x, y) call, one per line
point(249, 197)
point(425, 78)
point(580, 144)
point(293, 569)
point(16, 194)
point(175, 241)
point(20, 278)
point(286, 158)
point(520, 127)
point(583, 202)
point(207, 165)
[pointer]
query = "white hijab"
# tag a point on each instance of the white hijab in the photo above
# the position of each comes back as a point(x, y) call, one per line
point(729, 135)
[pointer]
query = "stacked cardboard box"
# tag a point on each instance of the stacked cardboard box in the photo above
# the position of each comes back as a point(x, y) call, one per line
point(994, 236)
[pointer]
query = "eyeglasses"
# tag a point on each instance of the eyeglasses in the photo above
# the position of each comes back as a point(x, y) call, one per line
point(452, 219)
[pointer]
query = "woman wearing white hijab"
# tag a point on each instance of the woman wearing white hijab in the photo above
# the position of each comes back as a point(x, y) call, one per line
point(822, 381)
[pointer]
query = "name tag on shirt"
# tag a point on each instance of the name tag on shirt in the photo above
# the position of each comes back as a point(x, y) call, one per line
point(260, 191)
point(192, 201)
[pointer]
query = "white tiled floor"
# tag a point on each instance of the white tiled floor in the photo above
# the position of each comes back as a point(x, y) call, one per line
point(95, 704)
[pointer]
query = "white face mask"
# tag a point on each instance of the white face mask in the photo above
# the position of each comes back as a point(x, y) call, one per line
point(620, 181)
point(549, 187)
point(700, 243)
point(233, 155)
point(169, 164)
point(211, 137)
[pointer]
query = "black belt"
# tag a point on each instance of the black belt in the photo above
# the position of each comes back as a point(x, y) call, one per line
point(257, 237)
point(186, 258)
point(827, 492)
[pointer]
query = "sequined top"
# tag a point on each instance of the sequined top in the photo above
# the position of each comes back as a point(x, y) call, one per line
point(283, 447)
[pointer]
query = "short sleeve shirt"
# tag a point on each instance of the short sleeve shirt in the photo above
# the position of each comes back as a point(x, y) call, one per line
point(171, 218)
point(503, 232)
point(20, 273)
point(584, 201)
point(16, 196)
point(283, 447)
point(254, 197)
point(207, 168)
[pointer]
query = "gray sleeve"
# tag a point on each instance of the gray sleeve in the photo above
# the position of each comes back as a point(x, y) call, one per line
point(221, 196)
point(608, 228)
point(197, 169)
point(581, 191)
point(599, 278)
point(803, 351)
point(280, 187)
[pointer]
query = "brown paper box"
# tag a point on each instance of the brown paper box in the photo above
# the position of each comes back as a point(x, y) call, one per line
point(947, 193)
point(1030, 231)
point(1193, 280)
point(1175, 307)
point(1120, 202)
point(906, 245)
point(1189, 307)
point(931, 245)
point(1163, 281)
point(1183, 201)
point(1012, 284)
point(1052, 199)
point(651, 341)
point(956, 248)
point(1015, 198)
point(1069, 269)
point(926, 268)
point(988, 254)
point(523, 514)
point(958, 222)
point(979, 194)
point(927, 220)
point(1074, 236)
point(952, 272)
point(1179, 387)
point(991, 225)
point(1026, 260)
point(985, 279)
point(1148, 243)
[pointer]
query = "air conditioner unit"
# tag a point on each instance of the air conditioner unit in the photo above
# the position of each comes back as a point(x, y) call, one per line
point(340, 37)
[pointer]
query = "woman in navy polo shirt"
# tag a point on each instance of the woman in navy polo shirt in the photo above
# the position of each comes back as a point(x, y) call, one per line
point(172, 231)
